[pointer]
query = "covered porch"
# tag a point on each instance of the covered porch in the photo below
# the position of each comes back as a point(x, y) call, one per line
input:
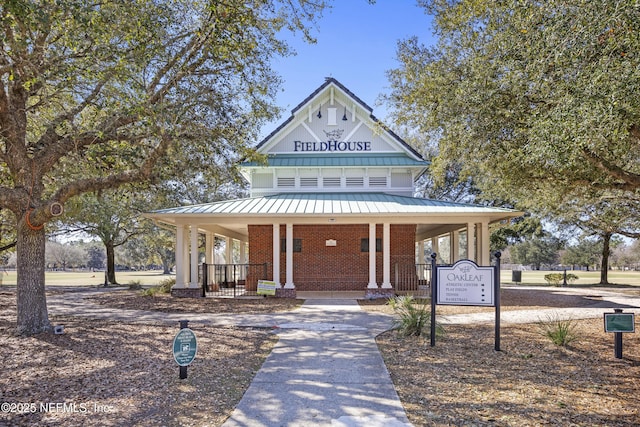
point(383, 239)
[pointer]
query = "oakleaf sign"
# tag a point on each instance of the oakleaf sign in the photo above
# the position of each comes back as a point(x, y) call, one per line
point(465, 283)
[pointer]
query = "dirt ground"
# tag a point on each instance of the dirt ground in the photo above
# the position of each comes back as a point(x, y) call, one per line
point(101, 373)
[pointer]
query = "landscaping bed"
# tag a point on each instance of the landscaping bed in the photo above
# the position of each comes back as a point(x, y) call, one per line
point(103, 373)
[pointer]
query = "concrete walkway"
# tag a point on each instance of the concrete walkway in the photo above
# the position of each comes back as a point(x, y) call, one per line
point(326, 369)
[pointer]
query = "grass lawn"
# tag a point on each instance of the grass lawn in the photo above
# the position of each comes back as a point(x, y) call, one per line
point(629, 278)
point(89, 278)
point(154, 277)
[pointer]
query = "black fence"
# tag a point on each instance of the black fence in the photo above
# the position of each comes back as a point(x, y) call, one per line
point(236, 280)
point(232, 280)
point(412, 279)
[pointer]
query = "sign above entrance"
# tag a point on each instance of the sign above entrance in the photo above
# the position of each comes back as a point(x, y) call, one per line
point(330, 146)
point(465, 283)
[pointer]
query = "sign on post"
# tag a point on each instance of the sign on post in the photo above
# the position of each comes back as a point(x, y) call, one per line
point(465, 283)
point(185, 347)
point(619, 322)
point(266, 287)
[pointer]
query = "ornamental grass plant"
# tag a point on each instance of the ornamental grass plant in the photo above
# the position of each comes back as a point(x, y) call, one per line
point(414, 316)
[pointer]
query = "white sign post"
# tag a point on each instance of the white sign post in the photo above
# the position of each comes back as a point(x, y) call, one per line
point(465, 283)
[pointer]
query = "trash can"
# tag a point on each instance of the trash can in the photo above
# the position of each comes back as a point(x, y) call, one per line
point(516, 276)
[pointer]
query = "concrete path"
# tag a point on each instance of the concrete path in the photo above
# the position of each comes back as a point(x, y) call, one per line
point(325, 370)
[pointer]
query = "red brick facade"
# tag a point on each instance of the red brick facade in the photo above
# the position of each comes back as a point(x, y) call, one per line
point(343, 267)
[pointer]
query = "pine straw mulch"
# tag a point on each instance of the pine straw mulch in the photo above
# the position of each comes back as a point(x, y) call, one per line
point(103, 373)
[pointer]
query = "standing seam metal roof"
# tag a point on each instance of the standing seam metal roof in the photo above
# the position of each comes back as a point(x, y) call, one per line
point(330, 203)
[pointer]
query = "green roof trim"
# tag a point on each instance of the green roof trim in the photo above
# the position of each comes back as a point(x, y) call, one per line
point(344, 160)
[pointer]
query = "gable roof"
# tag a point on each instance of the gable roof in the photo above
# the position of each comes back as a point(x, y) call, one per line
point(329, 81)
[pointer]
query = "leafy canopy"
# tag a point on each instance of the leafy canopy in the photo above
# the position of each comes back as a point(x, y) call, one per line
point(534, 98)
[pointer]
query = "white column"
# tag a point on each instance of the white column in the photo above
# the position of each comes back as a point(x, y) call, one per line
point(372, 257)
point(455, 246)
point(276, 254)
point(228, 250)
point(243, 252)
point(288, 284)
point(435, 247)
point(471, 244)
point(209, 240)
point(386, 256)
point(485, 247)
point(193, 283)
point(180, 283)
point(420, 254)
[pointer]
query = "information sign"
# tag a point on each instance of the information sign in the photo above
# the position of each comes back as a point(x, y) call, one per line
point(619, 322)
point(464, 283)
point(266, 287)
point(185, 347)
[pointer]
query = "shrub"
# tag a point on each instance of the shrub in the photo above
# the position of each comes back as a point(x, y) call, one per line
point(560, 331)
point(135, 285)
point(556, 278)
point(414, 316)
point(164, 287)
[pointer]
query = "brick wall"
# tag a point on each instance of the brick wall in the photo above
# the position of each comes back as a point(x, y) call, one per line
point(319, 267)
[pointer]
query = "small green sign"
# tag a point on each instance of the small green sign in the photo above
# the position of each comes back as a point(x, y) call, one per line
point(185, 347)
point(619, 322)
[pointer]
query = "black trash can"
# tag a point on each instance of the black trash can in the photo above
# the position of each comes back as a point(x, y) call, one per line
point(516, 276)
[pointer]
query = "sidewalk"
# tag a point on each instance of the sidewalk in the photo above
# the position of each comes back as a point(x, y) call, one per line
point(326, 370)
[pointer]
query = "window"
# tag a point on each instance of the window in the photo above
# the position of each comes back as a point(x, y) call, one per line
point(297, 245)
point(364, 245)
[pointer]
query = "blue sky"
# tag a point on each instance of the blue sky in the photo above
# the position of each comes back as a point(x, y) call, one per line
point(356, 45)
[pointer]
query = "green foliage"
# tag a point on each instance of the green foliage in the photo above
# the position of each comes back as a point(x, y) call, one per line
point(135, 285)
point(164, 287)
point(560, 331)
point(556, 279)
point(414, 316)
point(537, 251)
point(533, 99)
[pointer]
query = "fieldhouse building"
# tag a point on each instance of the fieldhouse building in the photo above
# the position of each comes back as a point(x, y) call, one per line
point(332, 209)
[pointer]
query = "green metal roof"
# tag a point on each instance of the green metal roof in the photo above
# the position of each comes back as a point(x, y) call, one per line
point(331, 204)
point(345, 160)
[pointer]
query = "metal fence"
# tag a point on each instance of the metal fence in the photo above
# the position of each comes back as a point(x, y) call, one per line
point(413, 279)
point(232, 280)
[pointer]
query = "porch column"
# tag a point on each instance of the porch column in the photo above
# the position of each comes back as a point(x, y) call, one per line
point(243, 252)
point(276, 254)
point(228, 250)
point(455, 246)
point(193, 283)
point(435, 246)
point(209, 241)
point(485, 251)
point(288, 284)
point(372, 257)
point(386, 256)
point(180, 283)
point(420, 260)
point(471, 241)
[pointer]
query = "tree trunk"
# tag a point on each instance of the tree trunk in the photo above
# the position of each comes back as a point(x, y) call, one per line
point(33, 317)
point(111, 263)
point(606, 251)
